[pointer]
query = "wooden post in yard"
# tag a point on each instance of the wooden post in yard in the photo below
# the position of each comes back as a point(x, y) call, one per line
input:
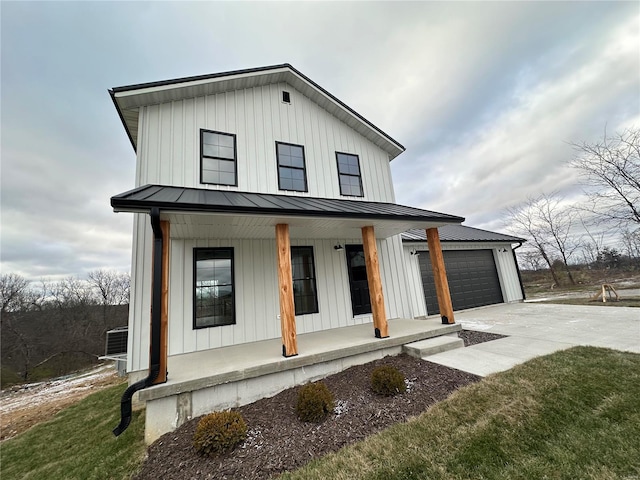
point(285, 284)
point(375, 284)
point(440, 276)
point(164, 310)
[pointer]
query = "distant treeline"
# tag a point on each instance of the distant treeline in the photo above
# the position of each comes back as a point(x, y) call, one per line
point(53, 328)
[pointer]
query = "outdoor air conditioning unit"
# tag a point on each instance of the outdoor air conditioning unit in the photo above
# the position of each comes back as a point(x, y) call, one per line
point(116, 348)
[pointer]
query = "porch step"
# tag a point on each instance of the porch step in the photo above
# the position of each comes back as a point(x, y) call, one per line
point(431, 346)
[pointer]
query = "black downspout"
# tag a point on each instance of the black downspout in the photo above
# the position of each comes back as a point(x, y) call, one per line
point(513, 251)
point(156, 302)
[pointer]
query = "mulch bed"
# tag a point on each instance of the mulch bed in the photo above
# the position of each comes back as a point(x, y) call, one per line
point(277, 441)
point(471, 337)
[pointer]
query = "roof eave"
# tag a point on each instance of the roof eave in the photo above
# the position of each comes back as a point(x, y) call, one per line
point(124, 123)
point(392, 147)
point(142, 206)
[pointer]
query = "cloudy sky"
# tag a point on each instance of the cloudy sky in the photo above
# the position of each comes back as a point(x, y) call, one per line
point(485, 96)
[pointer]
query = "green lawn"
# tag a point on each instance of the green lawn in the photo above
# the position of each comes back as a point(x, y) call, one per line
point(571, 415)
point(77, 443)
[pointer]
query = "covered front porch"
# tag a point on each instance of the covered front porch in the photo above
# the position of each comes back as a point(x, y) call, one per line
point(183, 220)
point(204, 381)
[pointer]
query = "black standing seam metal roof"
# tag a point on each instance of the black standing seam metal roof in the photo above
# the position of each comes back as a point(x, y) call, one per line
point(223, 201)
point(212, 76)
point(461, 233)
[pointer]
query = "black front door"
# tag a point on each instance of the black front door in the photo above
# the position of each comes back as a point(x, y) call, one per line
point(360, 300)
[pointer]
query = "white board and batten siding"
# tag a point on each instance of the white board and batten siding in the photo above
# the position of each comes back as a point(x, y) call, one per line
point(505, 266)
point(256, 293)
point(169, 150)
point(168, 153)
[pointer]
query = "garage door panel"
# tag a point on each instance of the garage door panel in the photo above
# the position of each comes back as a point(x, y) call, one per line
point(472, 277)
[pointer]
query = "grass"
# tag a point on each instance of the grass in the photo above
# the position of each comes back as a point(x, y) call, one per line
point(571, 415)
point(574, 414)
point(77, 443)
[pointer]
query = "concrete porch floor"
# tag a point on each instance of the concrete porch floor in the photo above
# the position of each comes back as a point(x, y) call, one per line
point(199, 370)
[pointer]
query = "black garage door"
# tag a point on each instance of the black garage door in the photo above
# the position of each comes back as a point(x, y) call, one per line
point(472, 275)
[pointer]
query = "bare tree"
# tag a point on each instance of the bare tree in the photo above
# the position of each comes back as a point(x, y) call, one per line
point(14, 291)
point(71, 292)
point(16, 298)
point(111, 287)
point(550, 225)
point(523, 220)
point(611, 173)
point(631, 243)
point(531, 259)
point(592, 248)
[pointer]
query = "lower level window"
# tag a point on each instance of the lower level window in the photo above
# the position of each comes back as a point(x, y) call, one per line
point(213, 295)
point(305, 296)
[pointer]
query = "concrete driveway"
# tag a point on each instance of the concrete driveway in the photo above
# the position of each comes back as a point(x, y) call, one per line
point(539, 329)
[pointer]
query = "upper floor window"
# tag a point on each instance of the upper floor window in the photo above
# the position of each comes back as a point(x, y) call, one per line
point(292, 173)
point(218, 158)
point(349, 175)
point(305, 295)
point(213, 296)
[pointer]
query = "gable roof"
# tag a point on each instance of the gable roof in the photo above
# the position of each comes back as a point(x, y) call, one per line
point(461, 233)
point(128, 99)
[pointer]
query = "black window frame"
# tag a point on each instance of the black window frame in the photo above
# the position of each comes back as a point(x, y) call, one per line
point(203, 131)
point(304, 168)
point(195, 287)
point(359, 176)
point(297, 306)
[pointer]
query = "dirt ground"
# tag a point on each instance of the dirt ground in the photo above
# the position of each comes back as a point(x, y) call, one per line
point(23, 406)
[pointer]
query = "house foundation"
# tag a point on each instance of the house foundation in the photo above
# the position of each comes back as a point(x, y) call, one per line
point(241, 379)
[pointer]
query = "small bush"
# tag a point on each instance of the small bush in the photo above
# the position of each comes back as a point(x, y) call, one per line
point(219, 432)
point(388, 381)
point(315, 401)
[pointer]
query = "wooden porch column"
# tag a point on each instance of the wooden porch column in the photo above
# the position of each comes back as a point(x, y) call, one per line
point(285, 283)
point(164, 311)
point(440, 276)
point(375, 284)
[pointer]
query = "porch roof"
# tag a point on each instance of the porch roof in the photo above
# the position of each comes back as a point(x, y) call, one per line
point(462, 233)
point(254, 214)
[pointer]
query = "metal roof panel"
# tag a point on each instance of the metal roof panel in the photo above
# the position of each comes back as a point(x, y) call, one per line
point(171, 198)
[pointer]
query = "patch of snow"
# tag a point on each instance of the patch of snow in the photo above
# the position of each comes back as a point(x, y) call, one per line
point(475, 325)
point(409, 383)
point(341, 406)
point(33, 394)
point(253, 439)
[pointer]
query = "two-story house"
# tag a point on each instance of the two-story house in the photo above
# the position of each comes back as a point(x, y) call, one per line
point(265, 217)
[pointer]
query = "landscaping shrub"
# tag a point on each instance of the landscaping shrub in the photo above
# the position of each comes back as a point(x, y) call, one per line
point(387, 381)
point(219, 432)
point(315, 401)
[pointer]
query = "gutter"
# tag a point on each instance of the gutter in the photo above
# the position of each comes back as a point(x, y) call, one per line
point(513, 251)
point(156, 302)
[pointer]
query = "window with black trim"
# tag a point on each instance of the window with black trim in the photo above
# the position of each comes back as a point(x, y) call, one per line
point(218, 158)
point(292, 173)
point(305, 295)
point(349, 175)
point(213, 292)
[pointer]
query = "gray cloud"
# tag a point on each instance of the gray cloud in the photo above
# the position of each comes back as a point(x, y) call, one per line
point(484, 95)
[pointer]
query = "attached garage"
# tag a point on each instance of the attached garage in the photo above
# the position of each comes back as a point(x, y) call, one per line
point(472, 276)
point(481, 268)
